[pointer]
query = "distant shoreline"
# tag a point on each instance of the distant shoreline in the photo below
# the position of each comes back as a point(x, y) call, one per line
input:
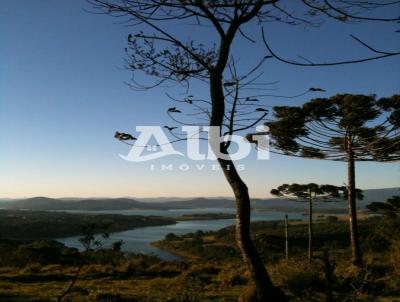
point(37, 225)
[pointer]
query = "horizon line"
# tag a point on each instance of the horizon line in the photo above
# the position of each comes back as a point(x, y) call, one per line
point(155, 197)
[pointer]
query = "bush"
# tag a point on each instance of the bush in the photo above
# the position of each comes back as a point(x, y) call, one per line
point(232, 278)
point(375, 242)
point(301, 278)
point(200, 275)
point(108, 297)
point(167, 269)
point(31, 268)
point(395, 256)
point(331, 219)
point(43, 252)
point(248, 294)
point(51, 268)
point(171, 237)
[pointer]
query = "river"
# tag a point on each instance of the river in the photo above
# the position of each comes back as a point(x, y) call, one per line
point(139, 240)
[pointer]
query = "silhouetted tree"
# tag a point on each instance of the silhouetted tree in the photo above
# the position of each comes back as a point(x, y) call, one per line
point(329, 270)
point(165, 56)
point(89, 243)
point(389, 209)
point(345, 128)
point(385, 236)
point(310, 192)
point(286, 237)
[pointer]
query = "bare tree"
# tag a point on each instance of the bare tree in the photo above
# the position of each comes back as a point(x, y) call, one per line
point(167, 57)
point(89, 243)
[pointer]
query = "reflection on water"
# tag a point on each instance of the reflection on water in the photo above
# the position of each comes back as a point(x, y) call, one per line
point(138, 240)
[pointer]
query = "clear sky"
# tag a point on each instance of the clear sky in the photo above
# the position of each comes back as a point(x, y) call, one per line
point(62, 97)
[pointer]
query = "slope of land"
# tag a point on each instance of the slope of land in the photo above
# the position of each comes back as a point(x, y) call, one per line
point(213, 270)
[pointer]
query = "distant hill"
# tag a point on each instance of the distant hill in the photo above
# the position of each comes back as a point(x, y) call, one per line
point(370, 195)
point(200, 203)
point(52, 204)
point(99, 204)
point(379, 194)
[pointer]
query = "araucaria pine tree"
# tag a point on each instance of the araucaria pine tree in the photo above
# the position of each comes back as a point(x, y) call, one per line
point(345, 128)
point(164, 49)
point(310, 192)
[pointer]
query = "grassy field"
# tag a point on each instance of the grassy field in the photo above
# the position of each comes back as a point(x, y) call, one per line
point(212, 269)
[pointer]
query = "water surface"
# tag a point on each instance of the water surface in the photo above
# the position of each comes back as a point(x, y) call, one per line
point(139, 240)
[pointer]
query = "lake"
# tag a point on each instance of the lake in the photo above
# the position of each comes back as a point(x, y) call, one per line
point(139, 240)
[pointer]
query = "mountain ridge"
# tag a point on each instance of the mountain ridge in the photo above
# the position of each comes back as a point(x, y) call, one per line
point(40, 203)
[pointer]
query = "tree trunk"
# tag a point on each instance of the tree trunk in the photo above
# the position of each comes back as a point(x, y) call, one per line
point(351, 196)
point(329, 268)
point(265, 290)
point(286, 237)
point(310, 227)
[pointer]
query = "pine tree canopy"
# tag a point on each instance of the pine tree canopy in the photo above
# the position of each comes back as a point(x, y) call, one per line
point(331, 128)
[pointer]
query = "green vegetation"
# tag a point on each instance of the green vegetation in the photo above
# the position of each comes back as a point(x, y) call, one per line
point(310, 192)
point(211, 268)
point(33, 225)
point(344, 127)
point(330, 276)
point(268, 237)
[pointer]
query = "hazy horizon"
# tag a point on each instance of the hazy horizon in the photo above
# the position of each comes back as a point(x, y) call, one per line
point(159, 197)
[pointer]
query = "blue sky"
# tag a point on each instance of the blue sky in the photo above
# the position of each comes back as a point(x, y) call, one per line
point(62, 97)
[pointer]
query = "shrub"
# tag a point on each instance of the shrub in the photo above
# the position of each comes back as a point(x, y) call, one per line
point(395, 256)
point(232, 278)
point(248, 294)
point(51, 268)
point(31, 268)
point(200, 275)
point(331, 219)
point(171, 237)
point(375, 242)
point(108, 297)
point(301, 278)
